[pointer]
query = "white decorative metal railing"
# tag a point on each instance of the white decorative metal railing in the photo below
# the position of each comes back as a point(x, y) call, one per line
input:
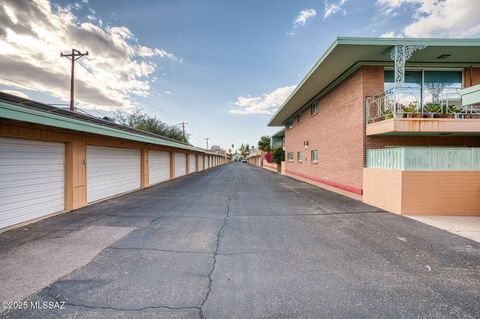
point(419, 102)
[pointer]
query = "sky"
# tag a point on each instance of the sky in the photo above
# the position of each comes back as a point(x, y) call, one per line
point(222, 66)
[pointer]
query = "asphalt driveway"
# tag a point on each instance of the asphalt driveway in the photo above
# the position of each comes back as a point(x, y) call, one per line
point(237, 242)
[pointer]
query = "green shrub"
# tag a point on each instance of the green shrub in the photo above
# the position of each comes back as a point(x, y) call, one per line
point(278, 155)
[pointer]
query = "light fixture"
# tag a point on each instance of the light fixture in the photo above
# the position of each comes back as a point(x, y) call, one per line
point(443, 56)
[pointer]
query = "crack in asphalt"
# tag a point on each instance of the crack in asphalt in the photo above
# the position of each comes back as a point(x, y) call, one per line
point(217, 246)
point(67, 303)
point(161, 250)
point(315, 214)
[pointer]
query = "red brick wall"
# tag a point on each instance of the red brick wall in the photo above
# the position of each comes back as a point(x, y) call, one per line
point(471, 76)
point(336, 131)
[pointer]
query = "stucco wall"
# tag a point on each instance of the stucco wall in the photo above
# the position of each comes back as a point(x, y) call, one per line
point(423, 192)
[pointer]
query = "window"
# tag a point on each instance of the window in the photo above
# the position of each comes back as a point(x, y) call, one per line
point(290, 156)
point(314, 156)
point(299, 118)
point(290, 124)
point(299, 157)
point(426, 86)
point(313, 108)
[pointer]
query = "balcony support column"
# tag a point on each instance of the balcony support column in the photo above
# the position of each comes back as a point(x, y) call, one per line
point(400, 54)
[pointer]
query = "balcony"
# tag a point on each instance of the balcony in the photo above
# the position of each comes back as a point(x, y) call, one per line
point(429, 110)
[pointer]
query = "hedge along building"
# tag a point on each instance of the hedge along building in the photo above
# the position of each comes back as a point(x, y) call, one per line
point(53, 160)
point(394, 122)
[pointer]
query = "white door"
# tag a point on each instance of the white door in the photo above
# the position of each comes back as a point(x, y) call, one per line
point(180, 164)
point(192, 162)
point(111, 171)
point(158, 166)
point(200, 162)
point(32, 177)
point(207, 161)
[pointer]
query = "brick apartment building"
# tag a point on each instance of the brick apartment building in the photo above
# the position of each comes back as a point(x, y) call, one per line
point(395, 122)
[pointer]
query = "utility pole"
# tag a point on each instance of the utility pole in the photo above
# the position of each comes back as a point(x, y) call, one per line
point(183, 128)
point(74, 56)
point(206, 139)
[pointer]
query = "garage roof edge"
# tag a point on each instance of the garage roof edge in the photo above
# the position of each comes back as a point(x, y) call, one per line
point(25, 114)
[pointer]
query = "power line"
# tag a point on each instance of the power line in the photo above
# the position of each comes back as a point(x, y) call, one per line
point(74, 56)
point(22, 84)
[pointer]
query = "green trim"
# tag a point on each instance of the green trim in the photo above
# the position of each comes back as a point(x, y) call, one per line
point(471, 89)
point(13, 112)
point(468, 42)
point(471, 95)
point(280, 133)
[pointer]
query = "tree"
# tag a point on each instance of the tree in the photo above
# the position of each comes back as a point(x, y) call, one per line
point(264, 143)
point(244, 149)
point(278, 155)
point(150, 123)
point(215, 148)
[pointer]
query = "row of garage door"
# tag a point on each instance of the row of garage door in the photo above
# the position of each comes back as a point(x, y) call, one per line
point(32, 175)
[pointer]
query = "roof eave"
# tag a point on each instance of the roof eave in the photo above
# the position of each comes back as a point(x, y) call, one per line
point(13, 112)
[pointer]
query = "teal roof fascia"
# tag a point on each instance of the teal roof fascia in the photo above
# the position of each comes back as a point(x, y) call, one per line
point(13, 112)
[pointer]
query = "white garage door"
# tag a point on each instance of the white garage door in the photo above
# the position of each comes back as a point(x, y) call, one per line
point(111, 171)
point(158, 167)
point(31, 179)
point(207, 161)
point(200, 163)
point(180, 164)
point(192, 162)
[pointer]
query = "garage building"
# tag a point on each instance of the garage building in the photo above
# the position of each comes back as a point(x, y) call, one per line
point(54, 160)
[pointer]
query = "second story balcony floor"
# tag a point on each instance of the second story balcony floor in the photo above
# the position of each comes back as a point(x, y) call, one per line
point(429, 102)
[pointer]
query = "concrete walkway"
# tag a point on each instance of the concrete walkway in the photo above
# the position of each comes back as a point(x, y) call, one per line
point(465, 226)
point(241, 242)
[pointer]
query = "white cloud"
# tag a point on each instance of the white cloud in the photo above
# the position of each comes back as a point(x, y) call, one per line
point(34, 32)
point(17, 93)
point(390, 34)
point(303, 17)
point(434, 18)
point(334, 7)
point(267, 103)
